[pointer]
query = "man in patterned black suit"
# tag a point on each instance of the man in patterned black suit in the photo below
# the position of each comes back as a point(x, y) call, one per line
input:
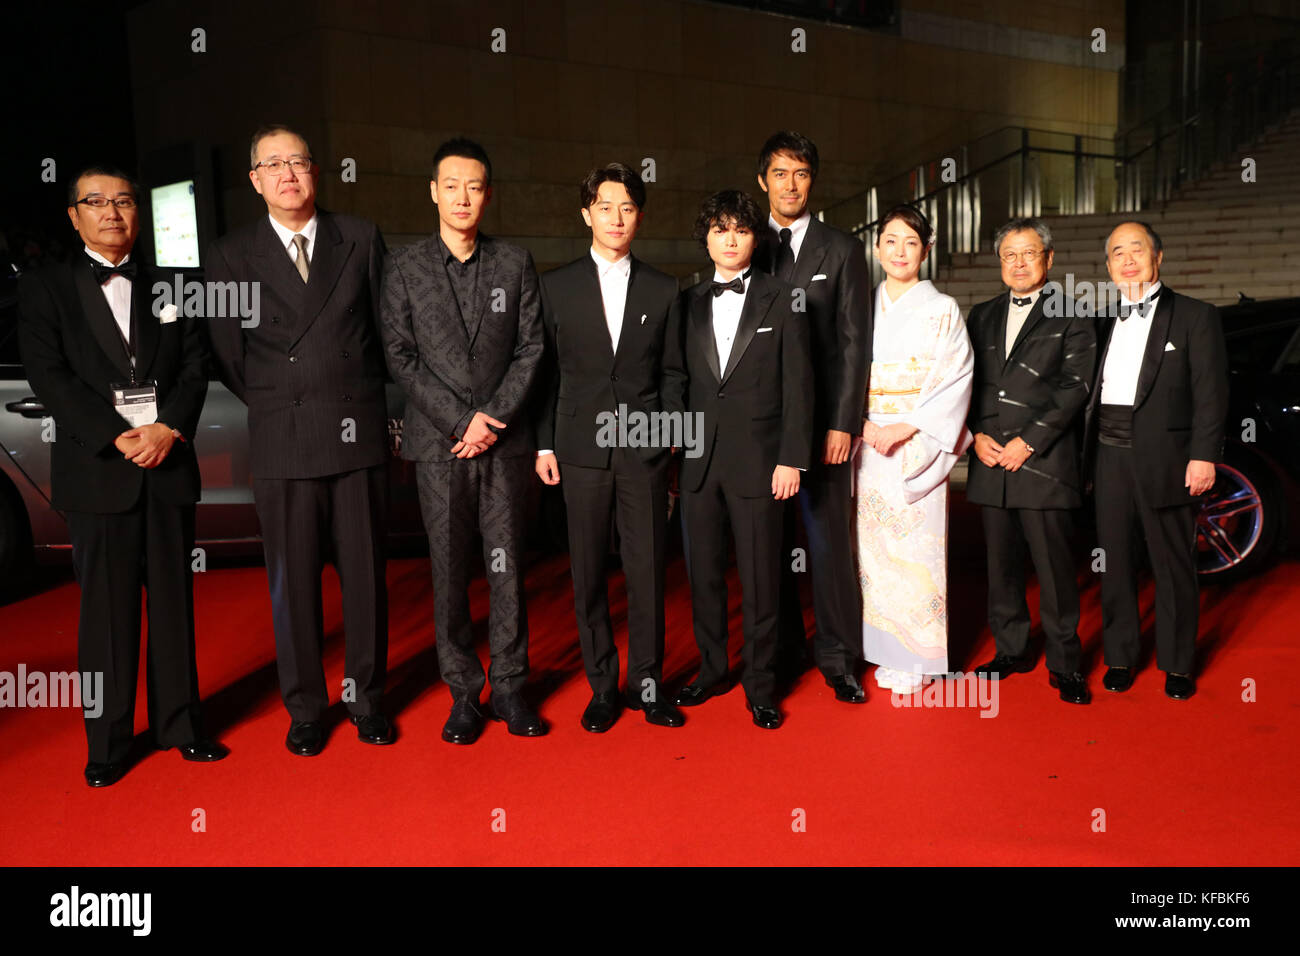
point(463, 331)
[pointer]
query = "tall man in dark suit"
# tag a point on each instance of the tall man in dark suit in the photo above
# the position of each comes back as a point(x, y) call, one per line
point(1035, 356)
point(463, 330)
point(831, 268)
point(1158, 418)
point(749, 369)
point(613, 334)
point(312, 374)
point(91, 343)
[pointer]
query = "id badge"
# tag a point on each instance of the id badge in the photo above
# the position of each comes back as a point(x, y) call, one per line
point(138, 404)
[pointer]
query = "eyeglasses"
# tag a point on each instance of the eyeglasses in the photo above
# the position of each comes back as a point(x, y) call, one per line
point(101, 202)
point(276, 166)
point(1029, 255)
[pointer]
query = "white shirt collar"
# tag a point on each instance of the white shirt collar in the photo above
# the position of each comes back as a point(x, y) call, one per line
point(1151, 294)
point(98, 258)
point(621, 266)
point(796, 228)
point(286, 234)
point(746, 275)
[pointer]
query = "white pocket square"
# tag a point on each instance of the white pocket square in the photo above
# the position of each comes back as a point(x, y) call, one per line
point(168, 314)
point(761, 331)
point(1169, 347)
point(820, 275)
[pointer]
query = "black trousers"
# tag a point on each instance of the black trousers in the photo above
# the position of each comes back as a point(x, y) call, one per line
point(305, 523)
point(1046, 537)
point(461, 499)
point(630, 496)
point(1124, 517)
point(114, 555)
point(826, 506)
point(756, 525)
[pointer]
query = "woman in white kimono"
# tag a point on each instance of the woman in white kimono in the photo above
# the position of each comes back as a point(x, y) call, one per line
point(914, 431)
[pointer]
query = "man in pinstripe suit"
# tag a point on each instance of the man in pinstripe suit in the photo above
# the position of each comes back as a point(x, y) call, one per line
point(312, 374)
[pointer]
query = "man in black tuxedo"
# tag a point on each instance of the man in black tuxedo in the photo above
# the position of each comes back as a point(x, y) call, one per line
point(830, 267)
point(88, 334)
point(1157, 419)
point(463, 330)
point(1035, 357)
point(613, 335)
point(311, 371)
point(748, 364)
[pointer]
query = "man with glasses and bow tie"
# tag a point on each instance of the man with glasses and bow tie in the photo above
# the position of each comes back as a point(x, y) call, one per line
point(125, 386)
point(312, 374)
point(1034, 361)
point(1155, 427)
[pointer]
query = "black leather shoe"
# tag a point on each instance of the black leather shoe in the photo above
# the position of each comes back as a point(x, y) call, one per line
point(104, 774)
point(600, 713)
point(1002, 666)
point(693, 695)
point(769, 718)
point(1118, 679)
point(204, 751)
point(306, 738)
point(1179, 686)
point(1073, 687)
point(521, 720)
point(847, 689)
point(659, 712)
point(373, 728)
point(464, 724)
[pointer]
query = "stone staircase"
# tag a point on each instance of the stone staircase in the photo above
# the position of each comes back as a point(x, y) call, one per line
point(1221, 236)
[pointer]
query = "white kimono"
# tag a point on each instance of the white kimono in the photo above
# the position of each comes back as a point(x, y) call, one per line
point(921, 373)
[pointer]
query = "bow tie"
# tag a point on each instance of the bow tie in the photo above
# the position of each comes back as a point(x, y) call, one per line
point(1022, 302)
point(735, 285)
point(1142, 308)
point(103, 273)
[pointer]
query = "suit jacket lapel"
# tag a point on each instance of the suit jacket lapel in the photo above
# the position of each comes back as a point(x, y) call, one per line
point(439, 307)
point(812, 252)
point(627, 321)
point(487, 270)
point(329, 252)
point(702, 327)
point(595, 316)
point(147, 328)
point(99, 317)
point(1155, 351)
point(272, 262)
point(757, 301)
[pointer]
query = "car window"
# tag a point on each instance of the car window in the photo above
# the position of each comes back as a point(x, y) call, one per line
point(1259, 348)
point(1289, 361)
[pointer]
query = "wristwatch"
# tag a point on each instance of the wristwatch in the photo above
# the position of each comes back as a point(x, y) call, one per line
point(1028, 446)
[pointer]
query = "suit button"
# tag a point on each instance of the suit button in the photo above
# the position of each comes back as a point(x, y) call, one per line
point(347, 398)
point(1001, 393)
point(471, 356)
point(722, 394)
point(343, 355)
point(613, 378)
point(293, 358)
point(297, 402)
point(275, 320)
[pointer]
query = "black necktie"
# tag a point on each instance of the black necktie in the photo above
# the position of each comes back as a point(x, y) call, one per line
point(735, 285)
point(1142, 307)
point(1022, 302)
point(103, 273)
point(785, 257)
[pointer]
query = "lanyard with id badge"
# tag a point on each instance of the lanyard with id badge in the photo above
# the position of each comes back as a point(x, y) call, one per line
point(137, 402)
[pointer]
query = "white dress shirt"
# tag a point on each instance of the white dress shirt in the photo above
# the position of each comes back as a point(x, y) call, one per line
point(798, 229)
point(1128, 346)
point(726, 319)
point(117, 291)
point(1016, 315)
point(286, 238)
point(613, 291)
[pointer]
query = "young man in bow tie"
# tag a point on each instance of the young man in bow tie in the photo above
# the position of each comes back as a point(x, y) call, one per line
point(125, 387)
point(748, 364)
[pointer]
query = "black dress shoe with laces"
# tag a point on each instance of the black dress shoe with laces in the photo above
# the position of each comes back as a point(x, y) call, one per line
point(373, 728)
point(1073, 687)
point(104, 774)
point(692, 695)
point(464, 724)
point(659, 712)
point(1118, 679)
point(769, 718)
point(521, 720)
point(847, 689)
point(1179, 686)
point(204, 751)
point(306, 738)
point(1003, 666)
point(600, 713)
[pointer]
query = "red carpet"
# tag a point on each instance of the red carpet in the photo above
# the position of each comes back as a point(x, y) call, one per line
point(1204, 782)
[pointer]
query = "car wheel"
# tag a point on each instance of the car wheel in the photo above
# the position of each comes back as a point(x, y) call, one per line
point(1238, 521)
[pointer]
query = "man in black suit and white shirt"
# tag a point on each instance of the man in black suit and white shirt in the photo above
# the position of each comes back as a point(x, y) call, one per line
point(1035, 358)
point(88, 333)
point(831, 268)
point(613, 334)
point(311, 372)
point(1157, 418)
point(748, 365)
point(463, 330)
